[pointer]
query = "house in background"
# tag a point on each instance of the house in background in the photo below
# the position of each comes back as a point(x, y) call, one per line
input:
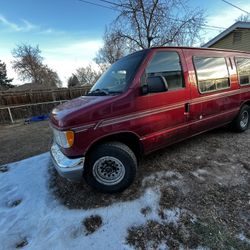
point(236, 37)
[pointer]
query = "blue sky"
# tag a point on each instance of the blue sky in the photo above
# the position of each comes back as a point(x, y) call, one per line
point(69, 32)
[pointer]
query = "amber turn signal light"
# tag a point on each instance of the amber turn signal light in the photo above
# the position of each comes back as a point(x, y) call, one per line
point(70, 137)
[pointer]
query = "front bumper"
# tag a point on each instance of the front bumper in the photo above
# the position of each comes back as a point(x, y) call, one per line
point(72, 169)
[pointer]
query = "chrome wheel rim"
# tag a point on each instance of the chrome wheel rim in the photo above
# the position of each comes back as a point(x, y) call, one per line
point(108, 170)
point(244, 119)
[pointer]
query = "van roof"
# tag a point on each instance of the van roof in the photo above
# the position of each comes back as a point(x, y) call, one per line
point(198, 48)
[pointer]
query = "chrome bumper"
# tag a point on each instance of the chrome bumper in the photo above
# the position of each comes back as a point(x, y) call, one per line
point(72, 169)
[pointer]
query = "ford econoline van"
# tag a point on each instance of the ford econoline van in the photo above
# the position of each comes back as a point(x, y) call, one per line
point(145, 101)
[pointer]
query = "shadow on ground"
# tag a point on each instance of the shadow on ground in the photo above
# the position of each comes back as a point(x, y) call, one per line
point(207, 178)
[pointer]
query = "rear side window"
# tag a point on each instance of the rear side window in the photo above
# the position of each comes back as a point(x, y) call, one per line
point(243, 68)
point(167, 64)
point(212, 73)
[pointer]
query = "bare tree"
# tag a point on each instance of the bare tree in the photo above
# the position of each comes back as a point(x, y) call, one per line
point(28, 62)
point(243, 18)
point(143, 24)
point(49, 77)
point(87, 75)
point(29, 65)
point(113, 49)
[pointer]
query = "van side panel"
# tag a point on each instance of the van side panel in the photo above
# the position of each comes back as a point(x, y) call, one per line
point(211, 109)
point(168, 122)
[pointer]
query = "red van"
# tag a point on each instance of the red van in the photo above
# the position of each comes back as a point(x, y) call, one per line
point(146, 101)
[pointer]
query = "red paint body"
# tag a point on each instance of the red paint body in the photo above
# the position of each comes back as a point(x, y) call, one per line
point(158, 119)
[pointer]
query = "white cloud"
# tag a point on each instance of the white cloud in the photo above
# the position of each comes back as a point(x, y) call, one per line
point(23, 26)
point(66, 59)
point(61, 53)
point(29, 26)
point(7, 58)
point(226, 17)
point(79, 49)
point(223, 18)
point(26, 26)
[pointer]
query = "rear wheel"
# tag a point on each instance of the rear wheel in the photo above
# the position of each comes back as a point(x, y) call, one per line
point(111, 167)
point(241, 122)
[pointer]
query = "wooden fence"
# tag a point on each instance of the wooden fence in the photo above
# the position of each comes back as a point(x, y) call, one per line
point(22, 105)
point(37, 96)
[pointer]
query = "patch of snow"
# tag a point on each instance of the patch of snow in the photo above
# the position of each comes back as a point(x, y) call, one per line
point(172, 216)
point(170, 178)
point(162, 246)
point(46, 224)
point(242, 237)
point(198, 176)
point(198, 248)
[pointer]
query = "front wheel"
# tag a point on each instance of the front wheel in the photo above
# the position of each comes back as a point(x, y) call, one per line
point(241, 122)
point(111, 167)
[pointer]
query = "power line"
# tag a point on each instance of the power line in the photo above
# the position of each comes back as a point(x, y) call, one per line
point(112, 3)
point(205, 25)
point(118, 5)
point(97, 4)
point(248, 13)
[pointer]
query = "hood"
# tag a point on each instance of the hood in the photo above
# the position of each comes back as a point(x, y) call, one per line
point(77, 111)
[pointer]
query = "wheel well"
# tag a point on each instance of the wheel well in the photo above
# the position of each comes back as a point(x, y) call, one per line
point(130, 139)
point(246, 103)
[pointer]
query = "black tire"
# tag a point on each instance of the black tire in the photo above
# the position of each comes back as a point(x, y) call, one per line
point(111, 167)
point(241, 122)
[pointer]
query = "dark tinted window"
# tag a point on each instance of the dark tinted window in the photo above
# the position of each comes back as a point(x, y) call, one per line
point(212, 73)
point(167, 64)
point(243, 67)
point(119, 75)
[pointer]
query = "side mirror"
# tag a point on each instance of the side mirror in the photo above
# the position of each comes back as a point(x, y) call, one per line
point(154, 84)
point(144, 89)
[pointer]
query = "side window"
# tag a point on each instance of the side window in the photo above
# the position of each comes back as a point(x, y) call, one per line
point(243, 68)
point(212, 73)
point(167, 64)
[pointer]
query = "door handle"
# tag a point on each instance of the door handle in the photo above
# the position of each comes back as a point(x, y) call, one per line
point(187, 108)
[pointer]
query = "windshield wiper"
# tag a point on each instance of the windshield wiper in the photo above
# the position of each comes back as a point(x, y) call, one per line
point(115, 92)
point(99, 92)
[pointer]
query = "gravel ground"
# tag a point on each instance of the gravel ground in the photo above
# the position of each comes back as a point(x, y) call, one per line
point(204, 180)
point(21, 141)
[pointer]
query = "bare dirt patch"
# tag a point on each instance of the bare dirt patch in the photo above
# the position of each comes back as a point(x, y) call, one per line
point(92, 223)
point(21, 141)
point(22, 243)
point(4, 169)
point(14, 203)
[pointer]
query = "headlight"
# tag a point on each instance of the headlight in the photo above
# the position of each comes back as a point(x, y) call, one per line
point(64, 139)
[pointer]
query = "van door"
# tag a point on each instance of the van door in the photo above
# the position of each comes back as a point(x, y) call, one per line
point(168, 110)
point(210, 87)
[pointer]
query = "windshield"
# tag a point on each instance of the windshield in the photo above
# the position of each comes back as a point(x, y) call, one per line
point(118, 76)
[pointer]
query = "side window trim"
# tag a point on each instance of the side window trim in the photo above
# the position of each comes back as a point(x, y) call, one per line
point(237, 69)
point(144, 76)
point(196, 75)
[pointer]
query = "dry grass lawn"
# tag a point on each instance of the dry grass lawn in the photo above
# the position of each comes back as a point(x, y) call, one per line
point(206, 180)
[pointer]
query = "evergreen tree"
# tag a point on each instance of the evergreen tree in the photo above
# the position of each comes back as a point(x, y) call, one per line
point(4, 81)
point(73, 81)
